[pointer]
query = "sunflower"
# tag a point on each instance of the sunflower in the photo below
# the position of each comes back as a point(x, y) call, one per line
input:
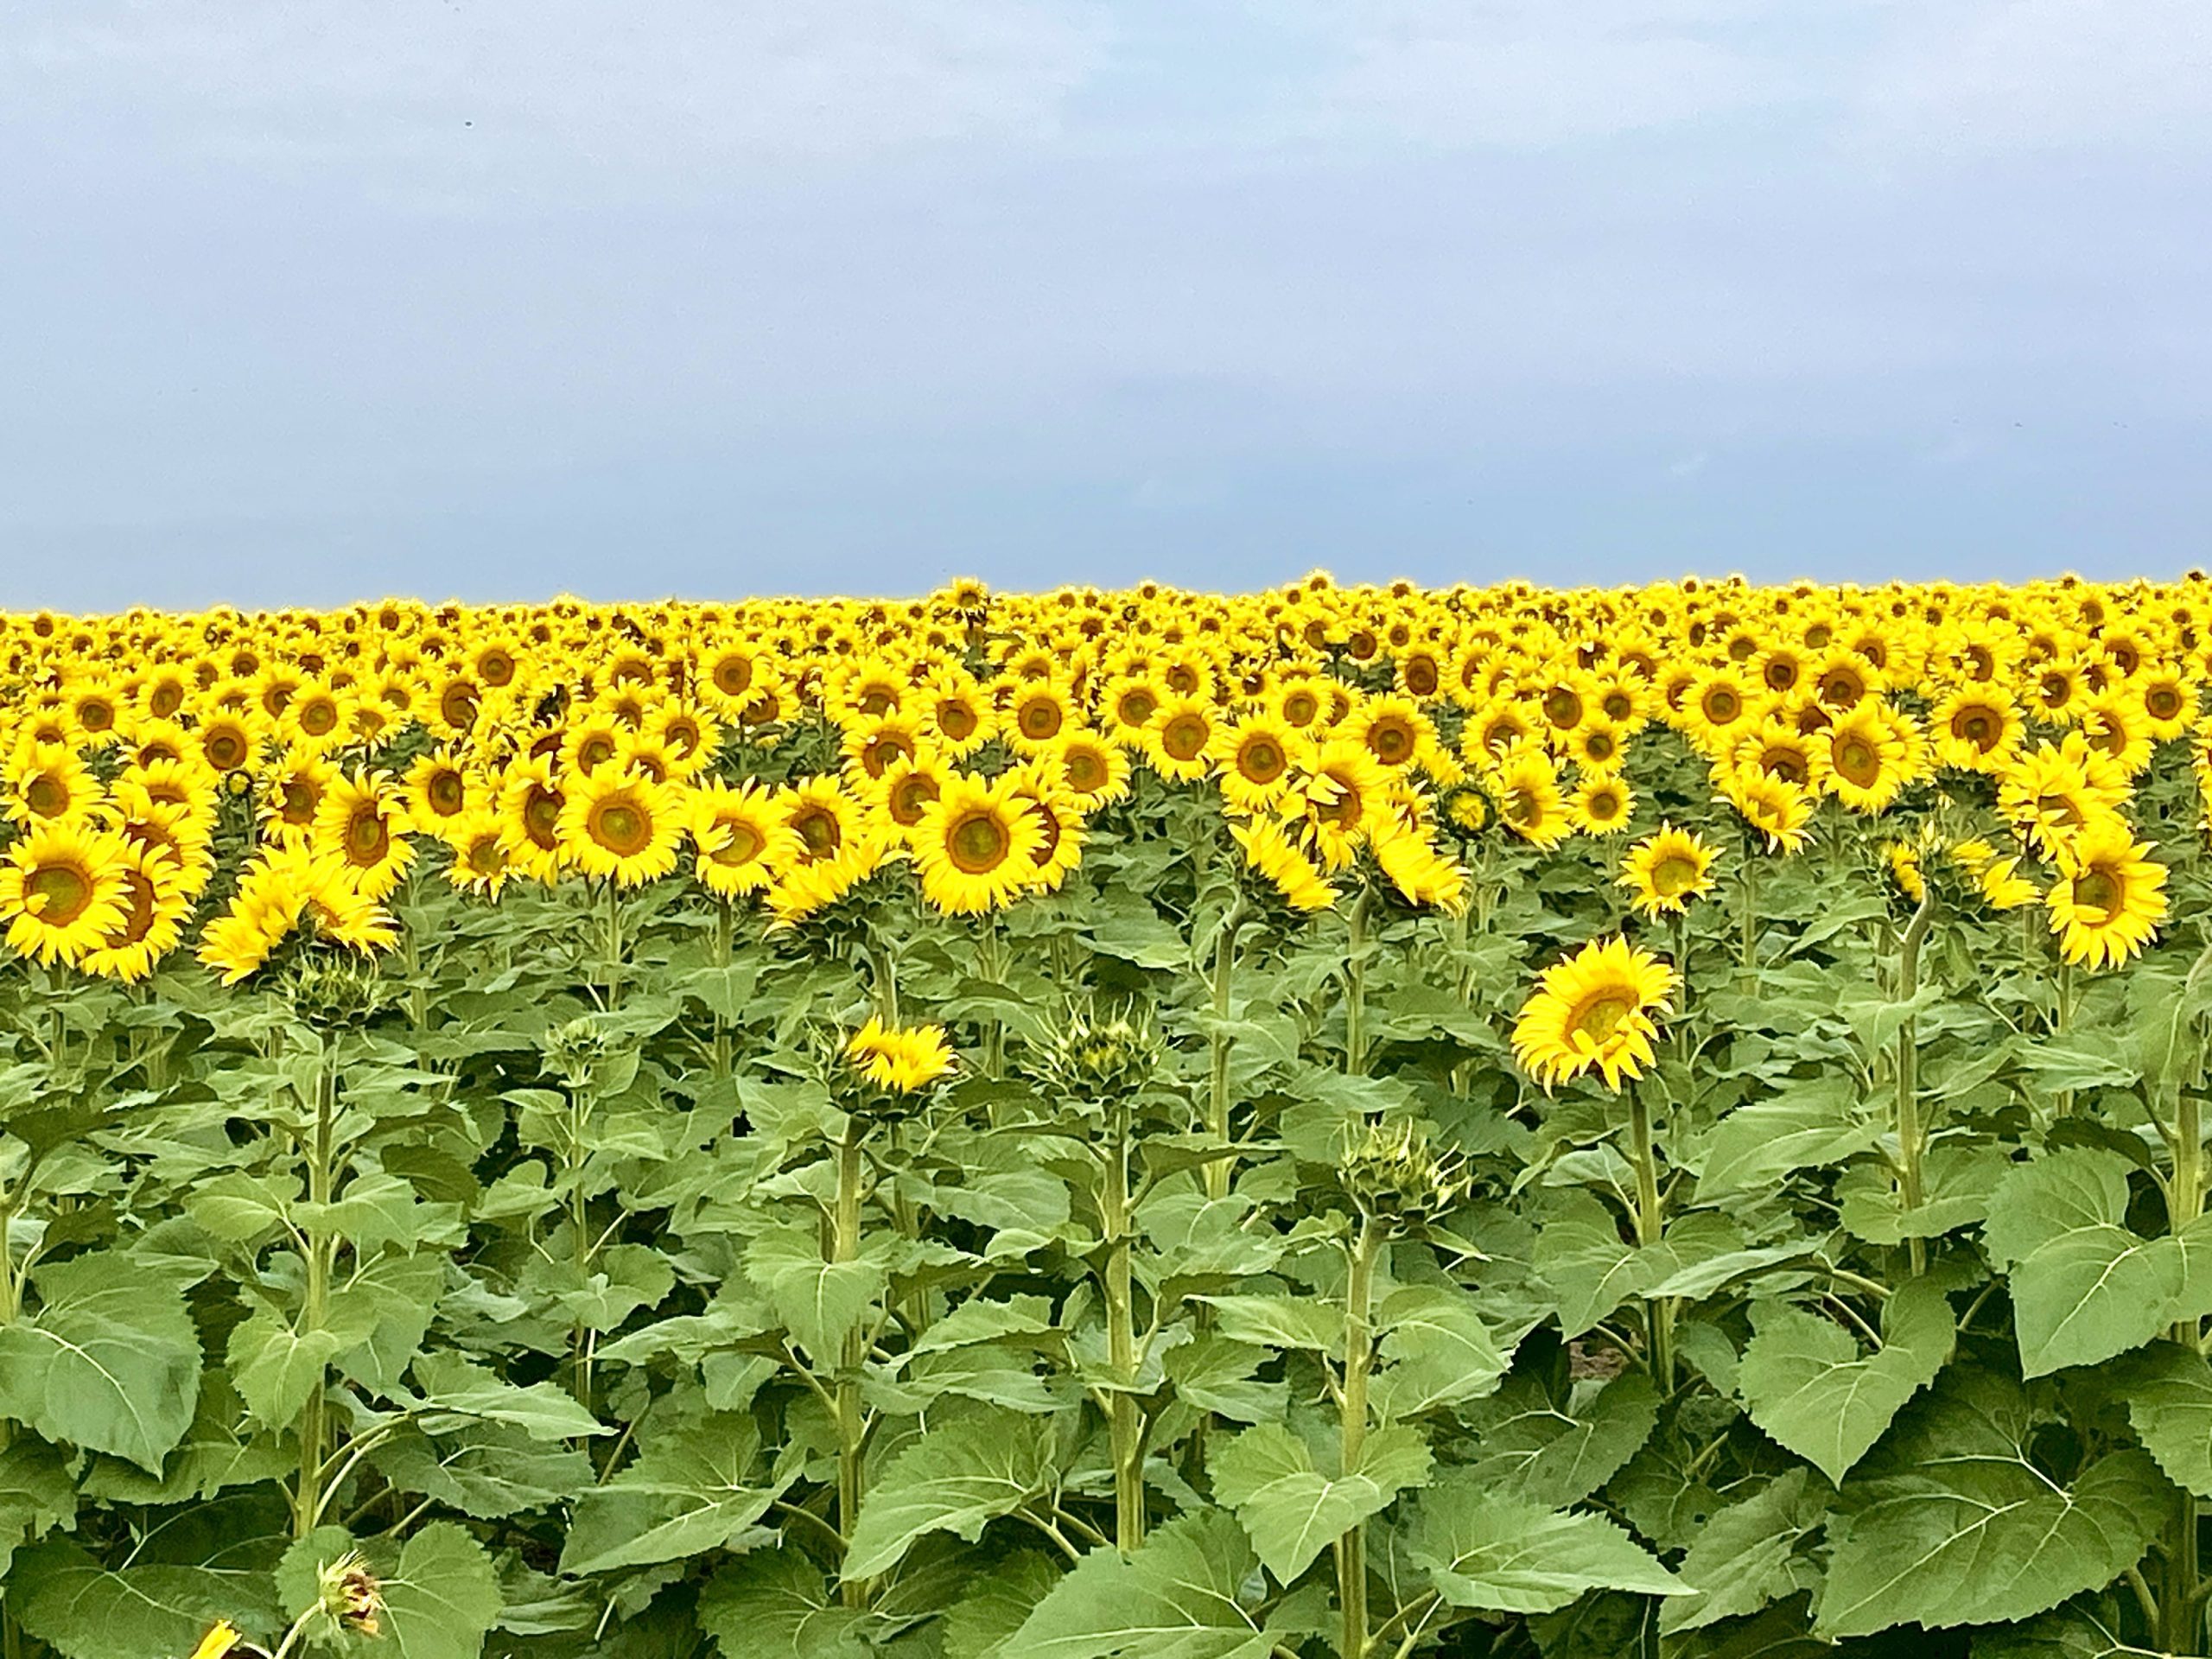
point(156, 904)
point(530, 805)
point(436, 788)
point(976, 847)
point(1130, 703)
point(1270, 852)
point(2052, 792)
point(1720, 706)
point(227, 741)
point(806, 889)
point(1603, 804)
point(480, 859)
point(1774, 807)
point(1175, 741)
point(1422, 874)
point(901, 1060)
point(1037, 713)
point(957, 717)
point(1976, 729)
point(1338, 797)
point(1394, 728)
point(1091, 770)
point(1778, 749)
point(1529, 805)
point(1593, 1012)
point(903, 794)
point(362, 820)
point(622, 826)
point(1252, 760)
point(63, 890)
point(1862, 758)
point(1665, 871)
point(743, 840)
point(2109, 897)
point(48, 785)
point(822, 814)
point(1058, 817)
point(2166, 698)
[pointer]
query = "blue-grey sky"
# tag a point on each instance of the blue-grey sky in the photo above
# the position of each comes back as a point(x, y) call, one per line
point(304, 302)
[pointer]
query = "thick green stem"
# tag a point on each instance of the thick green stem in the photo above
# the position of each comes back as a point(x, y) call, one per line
point(1356, 984)
point(722, 942)
point(321, 1249)
point(1125, 1423)
point(1750, 949)
point(1360, 1360)
point(845, 1246)
point(885, 979)
point(2181, 1603)
point(1651, 1221)
point(1911, 1134)
point(1220, 1172)
point(614, 944)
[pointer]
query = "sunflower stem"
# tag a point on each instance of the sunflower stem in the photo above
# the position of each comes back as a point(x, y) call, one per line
point(1219, 1171)
point(1125, 1424)
point(320, 1251)
point(1359, 1358)
point(845, 1246)
point(1650, 1223)
point(722, 946)
point(1356, 984)
point(1911, 1134)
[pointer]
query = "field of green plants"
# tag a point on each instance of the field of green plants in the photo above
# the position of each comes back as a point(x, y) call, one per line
point(1434, 1177)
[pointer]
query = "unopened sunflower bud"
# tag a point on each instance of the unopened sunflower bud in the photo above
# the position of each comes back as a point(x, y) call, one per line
point(1395, 1176)
point(574, 1051)
point(335, 993)
point(1099, 1056)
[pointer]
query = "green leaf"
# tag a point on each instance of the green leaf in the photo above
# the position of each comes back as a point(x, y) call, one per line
point(955, 1479)
point(1293, 1512)
point(1505, 1554)
point(1438, 1353)
point(110, 1360)
point(2084, 1287)
point(1591, 1268)
point(542, 1410)
point(1805, 1382)
point(484, 1470)
point(1960, 1525)
point(275, 1368)
point(1556, 1451)
point(2168, 1389)
point(1747, 1555)
point(998, 1601)
point(1214, 1373)
point(774, 1604)
point(444, 1597)
point(1177, 1598)
point(695, 1487)
point(820, 1302)
point(1278, 1322)
point(1808, 1126)
point(36, 1495)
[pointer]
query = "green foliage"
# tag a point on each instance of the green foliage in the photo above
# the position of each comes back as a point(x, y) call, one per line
point(583, 1313)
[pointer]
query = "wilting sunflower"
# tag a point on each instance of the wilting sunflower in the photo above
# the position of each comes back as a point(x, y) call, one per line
point(621, 826)
point(1270, 852)
point(2109, 897)
point(1593, 1012)
point(363, 821)
point(742, 841)
point(901, 1060)
point(1665, 871)
point(63, 890)
point(976, 846)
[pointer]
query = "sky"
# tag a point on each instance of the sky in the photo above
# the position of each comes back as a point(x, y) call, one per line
point(301, 304)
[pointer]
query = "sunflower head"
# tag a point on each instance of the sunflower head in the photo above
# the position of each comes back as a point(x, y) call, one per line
point(892, 1070)
point(1594, 1011)
point(1100, 1055)
point(329, 991)
point(1395, 1177)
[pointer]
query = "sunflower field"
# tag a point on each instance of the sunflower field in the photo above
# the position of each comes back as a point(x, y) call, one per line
point(1497, 1122)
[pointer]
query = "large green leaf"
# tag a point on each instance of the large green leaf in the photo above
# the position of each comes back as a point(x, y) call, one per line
point(1805, 1382)
point(1557, 1449)
point(452, 1383)
point(696, 1486)
point(2084, 1286)
point(36, 1495)
point(109, 1360)
point(444, 1597)
point(1959, 1524)
point(1437, 1350)
point(1808, 1125)
point(820, 1302)
point(1180, 1596)
point(774, 1604)
point(2168, 1389)
point(954, 1478)
point(1748, 1555)
point(1291, 1511)
point(1492, 1550)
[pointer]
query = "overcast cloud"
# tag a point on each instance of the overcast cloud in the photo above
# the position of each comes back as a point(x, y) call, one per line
point(306, 303)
